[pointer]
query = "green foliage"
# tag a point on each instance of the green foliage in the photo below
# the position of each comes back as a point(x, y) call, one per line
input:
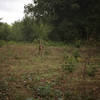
point(16, 32)
point(47, 52)
point(5, 30)
point(52, 43)
point(11, 42)
point(91, 70)
point(68, 95)
point(48, 20)
point(81, 20)
point(3, 58)
point(69, 65)
point(33, 30)
point(68, 68)
point(75, 95)
point(78, 43)
point(31, 98)
point(2, 43)
point(3, 86)
point(11, 78)
point(28, 29)
point(19, 97)
point(4, 90)
point(42, 31)
point(47, 93)
point(76, 54)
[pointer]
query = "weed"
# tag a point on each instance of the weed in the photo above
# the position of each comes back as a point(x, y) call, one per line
point(11, 42)
point(77, 95)
point(68, 68)
point(47, 92)
point(91, 70)
point(68, 95)
point(11, 78)
point(16, 57)
point(2, 58)
point(19, 97)
point(69, 65)
point(50, 43)
point(31, 98)
point(4, 90)
point(76, 54)
point(46, 52)
point(9, 53)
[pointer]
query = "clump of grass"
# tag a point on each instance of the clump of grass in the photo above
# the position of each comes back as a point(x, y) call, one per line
point(50, 43)
point(47, 93)
point(91, 70)
point(2, 58)
point(19, 97)
point(77, 95)
point(69, 65)
point(4, 90)
point(47, 52)
point(76, 54)
point(11, 78)
point(31, 98)
point(78, 43)
point(11, 42)
point(16, 57)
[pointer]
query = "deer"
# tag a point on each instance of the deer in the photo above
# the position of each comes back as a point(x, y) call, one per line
point(41, 47)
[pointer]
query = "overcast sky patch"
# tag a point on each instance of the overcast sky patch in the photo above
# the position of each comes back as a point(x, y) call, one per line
point(12, 10)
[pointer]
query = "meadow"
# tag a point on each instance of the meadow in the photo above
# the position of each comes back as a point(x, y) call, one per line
point(63, 72)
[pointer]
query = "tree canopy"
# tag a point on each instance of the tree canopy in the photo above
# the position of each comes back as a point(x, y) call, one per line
point(71, 19)
point(57, 20)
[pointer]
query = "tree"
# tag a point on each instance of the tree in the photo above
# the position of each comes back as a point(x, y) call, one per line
point(0, 22)
point(71, 19)
point(5, 30)
point(16, 31)
point(34, 29)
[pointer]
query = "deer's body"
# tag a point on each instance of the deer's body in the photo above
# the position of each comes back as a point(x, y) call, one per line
point(41, 47)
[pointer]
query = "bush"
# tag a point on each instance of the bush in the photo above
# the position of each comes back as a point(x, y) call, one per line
point(11, 42)
point(76, 54)
point(68, 68)
point(2, 43)
point(69, 65)
point(78, 44)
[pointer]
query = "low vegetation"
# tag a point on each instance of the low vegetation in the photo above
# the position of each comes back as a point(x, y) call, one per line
point(61, 73)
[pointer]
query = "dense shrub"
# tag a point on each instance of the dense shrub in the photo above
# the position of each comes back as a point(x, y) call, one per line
point(2, 43)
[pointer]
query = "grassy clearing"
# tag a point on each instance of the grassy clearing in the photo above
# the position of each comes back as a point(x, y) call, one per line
point(58, 75)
